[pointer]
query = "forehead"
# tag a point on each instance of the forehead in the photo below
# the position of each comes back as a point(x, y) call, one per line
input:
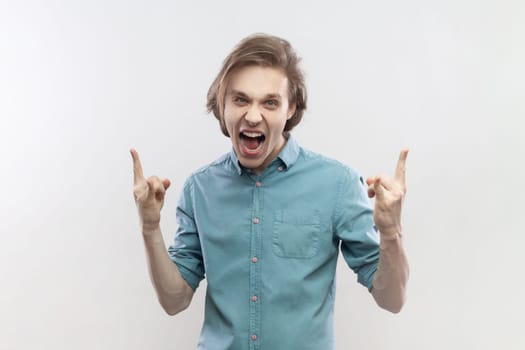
point(258, 81)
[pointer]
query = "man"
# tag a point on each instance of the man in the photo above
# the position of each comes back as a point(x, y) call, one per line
point(265, 222)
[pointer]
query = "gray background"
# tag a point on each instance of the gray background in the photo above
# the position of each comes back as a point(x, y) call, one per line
point(82, 82)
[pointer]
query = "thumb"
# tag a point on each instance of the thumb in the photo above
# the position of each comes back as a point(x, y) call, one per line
point(166, 183)
point(150, 190)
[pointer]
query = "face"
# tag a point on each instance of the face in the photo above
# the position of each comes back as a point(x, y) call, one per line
point(255, 112)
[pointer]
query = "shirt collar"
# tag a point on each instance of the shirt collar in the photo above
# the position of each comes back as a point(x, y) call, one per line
point(288, 155)
point(290, 152)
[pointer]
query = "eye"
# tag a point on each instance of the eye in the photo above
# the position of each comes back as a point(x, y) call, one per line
point(239, 100)
point(272, 103)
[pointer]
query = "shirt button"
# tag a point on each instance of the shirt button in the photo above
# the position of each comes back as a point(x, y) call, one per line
point(258, 184)
point(254, 259)
point(254, 298)
point(280, 168)
point(254, 337)
point(256, 220)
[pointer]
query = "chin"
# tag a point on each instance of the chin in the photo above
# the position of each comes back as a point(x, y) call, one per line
point(251, 163)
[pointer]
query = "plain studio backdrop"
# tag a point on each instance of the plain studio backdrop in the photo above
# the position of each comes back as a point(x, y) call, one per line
point(83, 82)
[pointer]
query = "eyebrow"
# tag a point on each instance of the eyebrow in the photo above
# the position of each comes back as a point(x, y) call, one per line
point(267, 96)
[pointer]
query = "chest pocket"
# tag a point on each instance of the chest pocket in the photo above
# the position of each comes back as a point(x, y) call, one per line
point(296, 236)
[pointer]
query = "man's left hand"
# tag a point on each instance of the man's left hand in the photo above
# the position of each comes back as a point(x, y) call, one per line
point(389, 193)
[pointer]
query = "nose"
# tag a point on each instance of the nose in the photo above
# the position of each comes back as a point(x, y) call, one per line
point(253, 116)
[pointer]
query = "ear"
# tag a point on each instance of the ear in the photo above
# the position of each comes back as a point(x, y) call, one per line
point(291, 111)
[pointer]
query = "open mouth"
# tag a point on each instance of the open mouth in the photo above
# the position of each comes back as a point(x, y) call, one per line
point(251, 141)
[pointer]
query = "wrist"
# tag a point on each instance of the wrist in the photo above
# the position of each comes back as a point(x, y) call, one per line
point(149, 230)
point(391, 233)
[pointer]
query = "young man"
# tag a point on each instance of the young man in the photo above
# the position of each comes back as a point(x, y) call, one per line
point(265, 222)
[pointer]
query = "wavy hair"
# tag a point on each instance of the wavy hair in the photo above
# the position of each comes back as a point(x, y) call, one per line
point(266, 51)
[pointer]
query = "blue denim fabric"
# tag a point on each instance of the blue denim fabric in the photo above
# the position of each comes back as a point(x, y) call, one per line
point(268, 246)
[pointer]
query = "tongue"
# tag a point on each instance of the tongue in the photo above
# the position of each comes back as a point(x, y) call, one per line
point(251, 142)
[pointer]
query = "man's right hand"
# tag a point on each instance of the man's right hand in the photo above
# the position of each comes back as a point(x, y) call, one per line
point(149, 195)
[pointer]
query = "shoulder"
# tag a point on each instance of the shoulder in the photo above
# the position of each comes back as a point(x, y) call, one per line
point(326, 165)
point(218, 168)
point(218, 164)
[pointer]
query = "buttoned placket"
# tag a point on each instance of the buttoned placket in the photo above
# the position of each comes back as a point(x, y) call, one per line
point(255, 262)
point(257, 223)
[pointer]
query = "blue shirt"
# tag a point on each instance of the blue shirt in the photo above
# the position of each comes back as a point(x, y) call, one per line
point(268, 246)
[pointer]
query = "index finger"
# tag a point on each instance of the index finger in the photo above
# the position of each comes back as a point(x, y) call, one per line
point(138, 176)
point(401, 166)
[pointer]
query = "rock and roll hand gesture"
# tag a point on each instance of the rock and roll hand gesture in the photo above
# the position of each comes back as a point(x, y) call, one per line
point(389, 193)
point(149, 195)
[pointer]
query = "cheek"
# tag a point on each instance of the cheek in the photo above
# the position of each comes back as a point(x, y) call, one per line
point(229, 119)
point(227, 115)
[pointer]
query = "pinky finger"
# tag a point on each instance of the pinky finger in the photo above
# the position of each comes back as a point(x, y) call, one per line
point(371, 191)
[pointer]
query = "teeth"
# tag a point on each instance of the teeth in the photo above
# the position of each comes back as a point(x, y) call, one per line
point(252, 134)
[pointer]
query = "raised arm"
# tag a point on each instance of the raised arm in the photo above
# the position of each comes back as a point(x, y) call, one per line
point(173, 292)
point(391, 277)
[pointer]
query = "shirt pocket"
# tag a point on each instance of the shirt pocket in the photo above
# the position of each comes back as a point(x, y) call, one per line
point(296, 235)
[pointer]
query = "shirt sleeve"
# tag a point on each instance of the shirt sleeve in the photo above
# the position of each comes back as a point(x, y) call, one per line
point(354, 227)
point(186, 251)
